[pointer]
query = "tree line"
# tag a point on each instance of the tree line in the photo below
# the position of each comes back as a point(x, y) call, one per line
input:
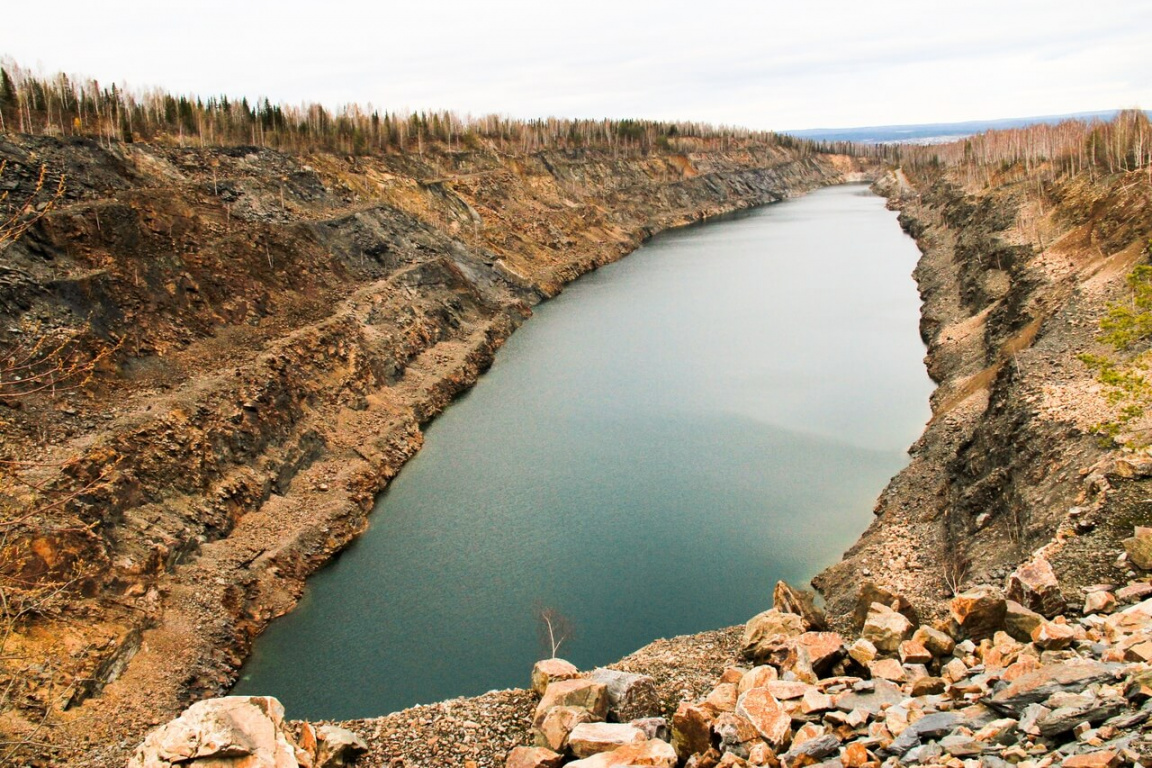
point(60, 105)
point(1120, 145)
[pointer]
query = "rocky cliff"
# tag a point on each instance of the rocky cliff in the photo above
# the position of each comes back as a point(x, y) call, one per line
point(261, 336)
point(1017, 460)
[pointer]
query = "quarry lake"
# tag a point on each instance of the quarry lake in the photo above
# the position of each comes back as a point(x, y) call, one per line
point(647, 456)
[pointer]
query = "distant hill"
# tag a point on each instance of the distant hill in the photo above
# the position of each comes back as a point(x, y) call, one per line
point(936, 133)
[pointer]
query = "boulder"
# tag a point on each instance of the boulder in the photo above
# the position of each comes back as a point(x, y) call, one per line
point(587, 694)
point(979, 612)
point(722, 698)
point(1020, 621)
point(337, 747)
point(558, 722)
point(1051, 636)
point(938, 643)
point(886, 628)
point(862, 652)
point(630, 696)
point(812, 751)
point(692, 729)
point(1101, 601)
point(653, 752)
point(870, 593)
point(654, 728)
point(757, 677)
point(824, 649)
point(764, 632)
point(760, 708)
point(1139, 548)
point(1134, 618)
point(929, 686)
point(871, 698)
point(1033, 584)
point(550, 671)
point(589, 739)
point(788, 599)
point(912, 652)
point(533, 757)
point(887, 669)
point(736, 734)
point(1100, 758)
point(1037, 686)
point(215, 730)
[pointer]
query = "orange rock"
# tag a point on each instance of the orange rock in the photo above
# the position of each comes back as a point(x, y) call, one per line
point(979, 612)
point(912, 652)
point(573, 693)
point(1104, 758)
point(855, 755)
point(765, 713)
point(533, 757)
point(549, 671)
point(692, 729)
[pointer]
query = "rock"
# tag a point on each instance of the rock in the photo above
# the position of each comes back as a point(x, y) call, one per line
point(954, 671)
point(1139, 548)
point(862, 652)
point(1132, 619)
point(1063, 719)
point(1020, 621)
point(887, 669)
point(557, 724)
point(979, 612)
point(812, 751)
point(757, 677)
point(1049, 679)
point(870, 593)
point(959, 745)
point(1101, 758)
point(736, 734)
point(886, 628)
point(938, 643)
point(1138, 688)
point(929, 686)
point(1052, 636)
point(533, 757)
point(761, 709)
point(1137, 590)
point(337, 746)
point(814, 702)
point(783, 690)
point(1101, 601)
point(733, 675)
point(912, 652)
point(1033, 584)
point(824, 649)
point(692, 729)
point(788, 599)
point(855, 755)
point(1030, 718)
point(214, 730)
point(882, 694)
point(630, 696)
point(763, 633)
point(589, 739)
point(648, 753)
point(722, 698)
point(587, 694)
point(549, 671)
point(654, 728)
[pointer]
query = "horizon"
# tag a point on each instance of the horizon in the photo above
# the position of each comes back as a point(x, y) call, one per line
point(776, 70)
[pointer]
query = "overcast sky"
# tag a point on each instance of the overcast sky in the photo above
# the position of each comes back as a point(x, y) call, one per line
point(762, 64)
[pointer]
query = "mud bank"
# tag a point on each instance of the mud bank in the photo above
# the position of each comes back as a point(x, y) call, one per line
point(282, 327)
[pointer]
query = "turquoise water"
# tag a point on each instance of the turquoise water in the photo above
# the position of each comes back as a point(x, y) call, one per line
point(647, 456)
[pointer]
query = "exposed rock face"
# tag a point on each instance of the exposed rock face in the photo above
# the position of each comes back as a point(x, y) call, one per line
point(286, 324)
point(979, 612)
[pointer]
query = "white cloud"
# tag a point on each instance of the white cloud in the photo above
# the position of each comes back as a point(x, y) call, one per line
point(761, 64)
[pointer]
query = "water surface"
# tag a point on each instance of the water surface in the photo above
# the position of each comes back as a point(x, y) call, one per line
point(647, 456)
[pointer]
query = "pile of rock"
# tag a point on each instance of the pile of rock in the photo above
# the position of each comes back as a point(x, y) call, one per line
point(244, 732)
point(1002, 681)
point(601, 719)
